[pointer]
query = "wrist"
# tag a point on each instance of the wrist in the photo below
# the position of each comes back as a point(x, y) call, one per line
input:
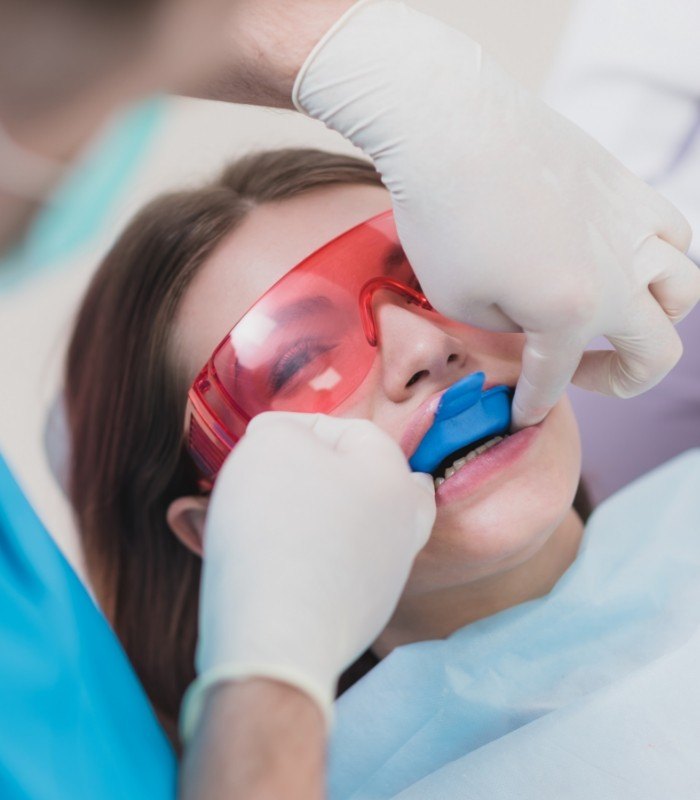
point(261, 739)
point(197, 696)
point(269, 42)
point(249, 695)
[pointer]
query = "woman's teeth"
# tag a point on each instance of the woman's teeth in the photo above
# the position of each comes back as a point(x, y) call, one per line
point(471, 455)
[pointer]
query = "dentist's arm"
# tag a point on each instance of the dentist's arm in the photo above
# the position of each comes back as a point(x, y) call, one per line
point(258, 740)
point(310, 536)
point(267, 42)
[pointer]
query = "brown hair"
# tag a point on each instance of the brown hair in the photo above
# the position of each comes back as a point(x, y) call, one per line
point(126, 406)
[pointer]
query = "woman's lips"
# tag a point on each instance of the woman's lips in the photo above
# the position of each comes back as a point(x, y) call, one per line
point(485, 467)
point(420, 423)
point(422, 419)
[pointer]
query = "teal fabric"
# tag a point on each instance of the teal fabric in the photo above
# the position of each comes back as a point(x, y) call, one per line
point(74, 720)
point(80, 204)
point(591, 691)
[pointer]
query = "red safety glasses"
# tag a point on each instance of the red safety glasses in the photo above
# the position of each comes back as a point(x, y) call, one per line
point(306, 345)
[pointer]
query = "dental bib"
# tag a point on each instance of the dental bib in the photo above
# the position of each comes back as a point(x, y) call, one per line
point(466, 415)
point(588, 691)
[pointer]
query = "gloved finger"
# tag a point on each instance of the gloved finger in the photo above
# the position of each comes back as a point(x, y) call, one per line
point(358, 437)
point(300, 434)
point(493, 318)
point(490, 317)
point(425, 481)
point(427, 510)
point(329, 430)
point(348, 435)
point(676, 279)
point(271, 418)
point(371, 447)
point(549, 361)
point(674, 227)
point(326, 429)
point(643, 355)
point(657, 213)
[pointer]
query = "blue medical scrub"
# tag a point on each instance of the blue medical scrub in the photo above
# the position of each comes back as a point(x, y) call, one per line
point(74, 720)
point(75, 723)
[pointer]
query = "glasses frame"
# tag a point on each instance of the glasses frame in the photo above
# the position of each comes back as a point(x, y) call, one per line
point(215, 422)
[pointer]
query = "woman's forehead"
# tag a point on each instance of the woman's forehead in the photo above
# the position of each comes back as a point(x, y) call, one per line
point(270, 241)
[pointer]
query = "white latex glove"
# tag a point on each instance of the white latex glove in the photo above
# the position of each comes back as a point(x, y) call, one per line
point(310, 536)
point(512, 217)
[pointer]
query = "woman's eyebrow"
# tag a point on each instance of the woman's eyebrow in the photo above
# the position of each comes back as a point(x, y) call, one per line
point(393, 259)
point(301, 307)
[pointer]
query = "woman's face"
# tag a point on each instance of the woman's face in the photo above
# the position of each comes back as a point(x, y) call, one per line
point(510, 499)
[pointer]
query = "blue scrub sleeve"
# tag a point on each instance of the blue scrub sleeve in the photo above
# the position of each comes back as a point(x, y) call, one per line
point(74, 719)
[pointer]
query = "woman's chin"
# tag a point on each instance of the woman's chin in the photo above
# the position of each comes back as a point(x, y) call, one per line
point(462, 554)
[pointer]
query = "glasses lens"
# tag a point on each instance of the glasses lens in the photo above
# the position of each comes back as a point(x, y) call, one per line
point(303, 346)
point(297, 350)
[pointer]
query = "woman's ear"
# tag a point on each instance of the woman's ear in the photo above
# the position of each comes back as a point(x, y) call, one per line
point(185, 517)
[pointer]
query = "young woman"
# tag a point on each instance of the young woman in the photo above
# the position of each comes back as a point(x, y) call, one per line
point(179, 278)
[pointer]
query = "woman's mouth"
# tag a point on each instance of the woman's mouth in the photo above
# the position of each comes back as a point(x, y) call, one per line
point(468, 435)
point(483, 462)
point(457, 460)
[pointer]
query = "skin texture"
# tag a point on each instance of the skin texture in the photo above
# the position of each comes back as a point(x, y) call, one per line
point(505, 542)
point(260, 59)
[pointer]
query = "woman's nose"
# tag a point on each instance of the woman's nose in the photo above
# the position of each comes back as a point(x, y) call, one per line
point(415, 351)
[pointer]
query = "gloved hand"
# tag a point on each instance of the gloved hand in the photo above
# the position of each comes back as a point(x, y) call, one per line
point(312, 529)
point(512, 217)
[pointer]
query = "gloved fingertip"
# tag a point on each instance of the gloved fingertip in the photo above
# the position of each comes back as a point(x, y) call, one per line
point(424, 529)
point(525, 419)
point(523, 415)
point(424, 480)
